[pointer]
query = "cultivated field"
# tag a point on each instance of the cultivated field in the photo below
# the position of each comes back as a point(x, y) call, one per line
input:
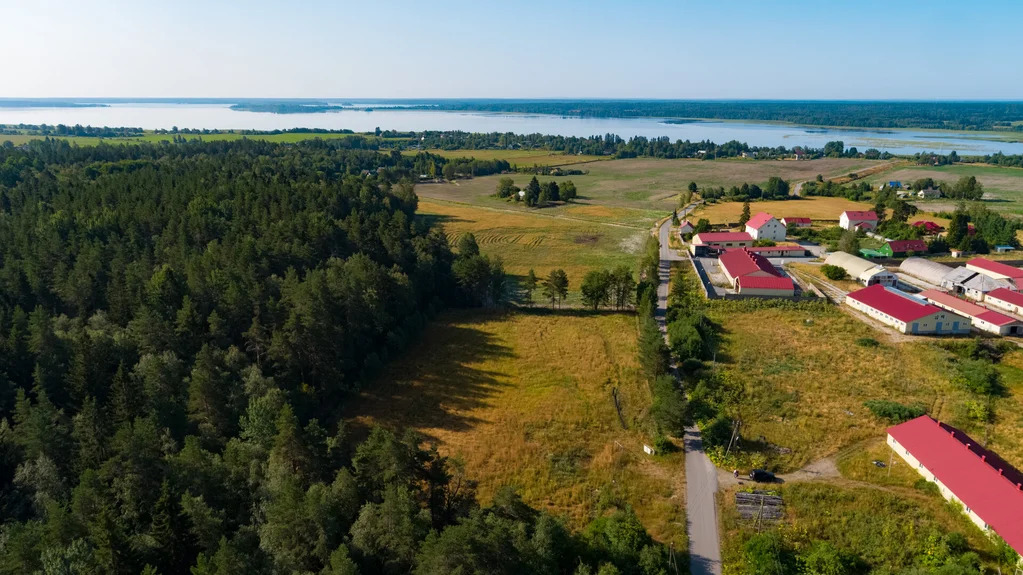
point(524, 399)
point(542, 242)
point(807, 375)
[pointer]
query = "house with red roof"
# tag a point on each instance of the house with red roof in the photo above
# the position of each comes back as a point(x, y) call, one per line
point(930, 228)
point(981, 318)
point(752, 274)
point(764, 226)
point(685, 228)
point(996, 270)
point(797, 222)
point(905, 313)
point(898, 248)
point(989, 490)
point(854, 220)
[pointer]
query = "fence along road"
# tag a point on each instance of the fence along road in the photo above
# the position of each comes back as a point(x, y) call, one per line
point(701, 475)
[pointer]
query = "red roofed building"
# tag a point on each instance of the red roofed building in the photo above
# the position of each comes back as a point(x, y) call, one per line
point(903, 247)
point(1006, 299)
point(686, 227)
point(989, 489)
point(996, 270)
point(723, 240)
point(930, 228)
point(853, 220)
point(981, 317)
point(745, 270)
point(779, 251)
point(764, 226)
point(798, 222)
point(906, 313)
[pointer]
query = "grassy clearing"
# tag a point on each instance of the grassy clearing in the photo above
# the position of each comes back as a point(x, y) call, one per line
point(888, 529)
point(524, 399)
point(527, 240)
point(1004, 186)
point(806, 382)
point(817, 208)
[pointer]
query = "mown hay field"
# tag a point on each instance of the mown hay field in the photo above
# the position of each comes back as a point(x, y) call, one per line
point(528, 240)
point(1003, 186)
point(524, 399)
point(806, 377)
point(816, 208)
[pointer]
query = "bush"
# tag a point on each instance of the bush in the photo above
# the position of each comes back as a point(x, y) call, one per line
point(867, 342)
point(894, 411)
point(833, 272)
point(925, 486)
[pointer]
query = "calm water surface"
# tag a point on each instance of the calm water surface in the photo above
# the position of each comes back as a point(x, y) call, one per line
point(217, 116)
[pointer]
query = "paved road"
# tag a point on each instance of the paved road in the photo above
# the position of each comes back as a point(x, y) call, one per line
point(701, 475)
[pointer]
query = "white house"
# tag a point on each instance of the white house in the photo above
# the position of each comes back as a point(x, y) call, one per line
point(853, 220)
point(764, 226)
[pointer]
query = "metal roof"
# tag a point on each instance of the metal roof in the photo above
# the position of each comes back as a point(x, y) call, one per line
point(759, 220)
point(927, 270)
point(966, 308)
point(985, 483)
point(996, 267)
point(898, 304)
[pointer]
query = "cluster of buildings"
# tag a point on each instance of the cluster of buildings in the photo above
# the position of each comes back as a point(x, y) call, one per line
point(989, 490)
point(983, 295)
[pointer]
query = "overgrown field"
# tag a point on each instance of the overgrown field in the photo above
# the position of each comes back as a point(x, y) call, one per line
point(806, 376)
point(524, 399)
point(887, 529)
point(539, 241)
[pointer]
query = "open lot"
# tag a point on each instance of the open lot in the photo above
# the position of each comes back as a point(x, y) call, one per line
point(806, 376)
point(542, 242)
point(524, 399)
point(1004, 186)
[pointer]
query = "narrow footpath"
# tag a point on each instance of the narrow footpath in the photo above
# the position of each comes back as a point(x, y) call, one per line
point(701, 475)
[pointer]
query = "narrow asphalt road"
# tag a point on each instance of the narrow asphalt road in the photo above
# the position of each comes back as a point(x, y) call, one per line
point(701, 475)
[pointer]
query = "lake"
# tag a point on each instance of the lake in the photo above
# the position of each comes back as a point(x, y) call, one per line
point(220, 116)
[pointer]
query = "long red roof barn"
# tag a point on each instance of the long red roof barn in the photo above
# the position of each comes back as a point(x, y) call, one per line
point(885, 300)
point(1007, 295)
point(996, 267)
point(740, 262)
point(986, 484)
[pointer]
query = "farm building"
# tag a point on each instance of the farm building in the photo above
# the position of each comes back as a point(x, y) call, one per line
point(1006, 299)
point(981, 317)
point(975, 286)
point(989, 490)
point(764, 226)
point(926, 270)
point(906, 313)
point(854, 220)
point(895, 248)
point(930, 228)
point(780, 251)
point(797, 222)
point(685, 228)
point(996, 270)
point(1004, 249)
point(866, 272)
point(765, 286)
point(723, 240)
point(929, 193)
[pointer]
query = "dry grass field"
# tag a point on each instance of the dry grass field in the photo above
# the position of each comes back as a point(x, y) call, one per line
point(519, 157)
point(807, 376)
point(524, 399)
point(1003, 186)
point(527, 240)
point(816, 208)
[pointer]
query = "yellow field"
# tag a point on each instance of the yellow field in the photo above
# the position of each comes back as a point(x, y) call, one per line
point(806, 379)
point(529, 239)
point(524, 399)
point(816, 208)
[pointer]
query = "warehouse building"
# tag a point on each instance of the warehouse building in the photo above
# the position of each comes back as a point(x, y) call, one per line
point(989, 490)
point(905, 313)
point(926, 270)
point(866, 272)
point(996, 270)
point(707, 242)
point(982, 318)
point(752, 274)
point(1005, 299)
point(974, 285)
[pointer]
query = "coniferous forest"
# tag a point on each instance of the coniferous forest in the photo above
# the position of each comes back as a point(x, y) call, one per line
point(179, 327)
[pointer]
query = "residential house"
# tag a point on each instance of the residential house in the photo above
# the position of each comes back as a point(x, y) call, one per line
point(685, 228)
point(764, 226)
point(796, 222)
point(905, 313)
point(929, 193)
point(930, 228)
point(854, 220)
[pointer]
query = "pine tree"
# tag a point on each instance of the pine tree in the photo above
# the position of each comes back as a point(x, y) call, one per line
point(529, 286)
point(745, 214)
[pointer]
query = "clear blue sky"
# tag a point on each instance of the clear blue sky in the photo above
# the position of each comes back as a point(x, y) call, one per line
point(827, 49)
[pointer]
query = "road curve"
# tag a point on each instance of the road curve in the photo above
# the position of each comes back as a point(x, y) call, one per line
point(701, 475)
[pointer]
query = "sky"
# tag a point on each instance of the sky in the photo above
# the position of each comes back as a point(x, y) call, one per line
point(671, 49)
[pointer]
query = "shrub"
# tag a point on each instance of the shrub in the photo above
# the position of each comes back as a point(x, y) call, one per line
point(925, 486)
point(894, 411)
point(867, 342)
point(833, 272)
